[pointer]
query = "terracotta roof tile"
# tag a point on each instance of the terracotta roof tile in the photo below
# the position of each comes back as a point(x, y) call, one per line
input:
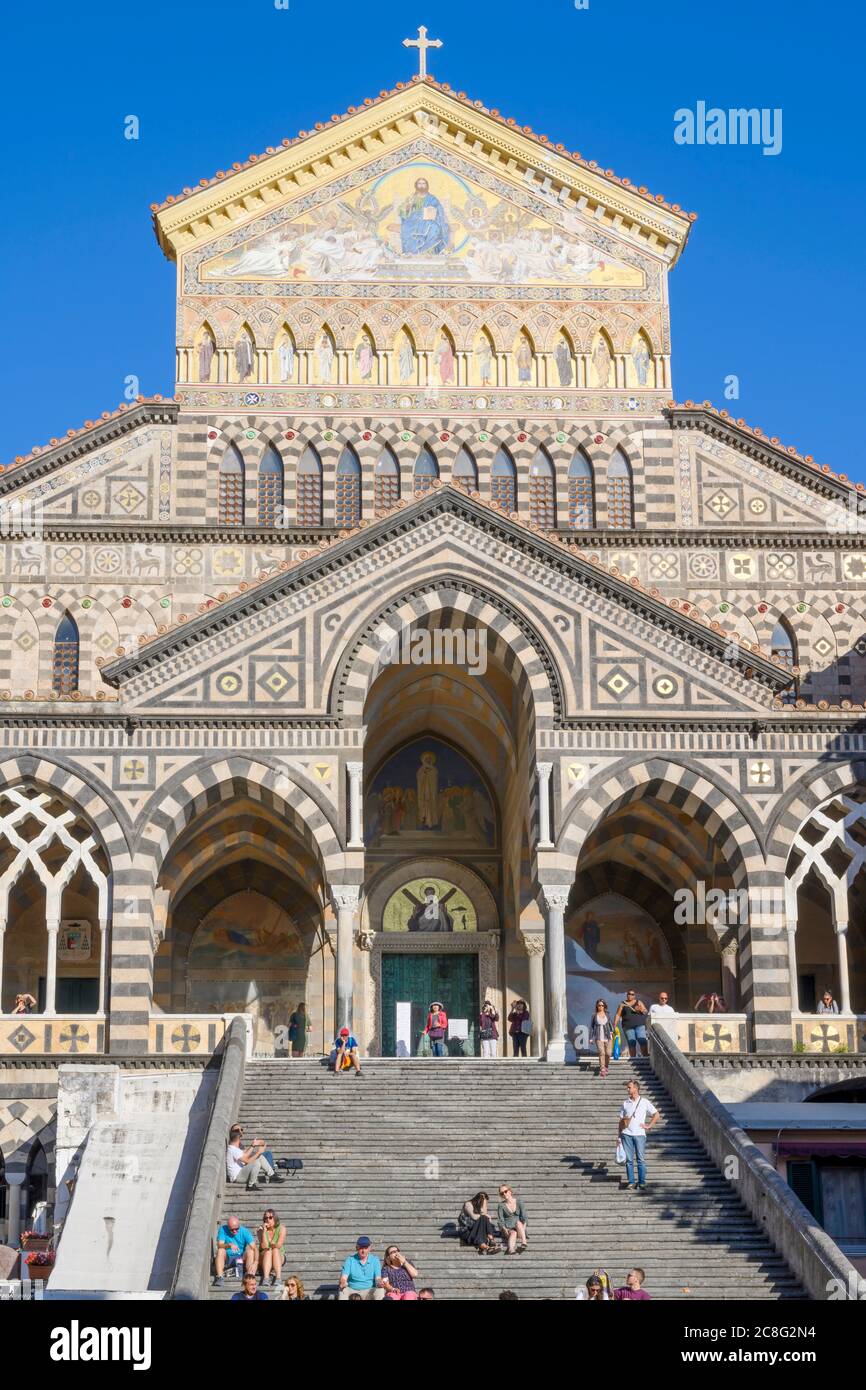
point(772, 440)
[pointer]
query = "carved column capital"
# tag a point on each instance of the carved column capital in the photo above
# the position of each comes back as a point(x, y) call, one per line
point(555, 896)
point(346, 895)
point(355, 770)
point(533, 943)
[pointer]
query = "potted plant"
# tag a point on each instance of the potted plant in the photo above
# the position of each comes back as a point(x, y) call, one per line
point(39, 1264)
point(33, 1240)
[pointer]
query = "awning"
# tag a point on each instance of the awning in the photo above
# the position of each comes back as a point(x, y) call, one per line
point(822, 1148)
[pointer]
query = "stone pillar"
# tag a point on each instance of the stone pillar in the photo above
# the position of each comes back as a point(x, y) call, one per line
point(544, 770)
point(844, 974)
point(556, 901)
point(53, 927)
point(730, 982)
point(345, 900)
point(356, 820)
point(535, 950)
point(2, 942)
point(791, 929)
point(103, 964)
point(13, 1207)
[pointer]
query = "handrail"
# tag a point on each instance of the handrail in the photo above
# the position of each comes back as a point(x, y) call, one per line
point(811, 1255)
point(192, 1271)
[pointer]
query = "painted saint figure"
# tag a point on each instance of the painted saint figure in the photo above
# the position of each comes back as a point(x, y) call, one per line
point(430, 915)
point(364, 358)
point(244, 357)
point(445, 361)
point(562, 356)
point(424, 229)
point(286, 355)
point(641, 359)
point(524, 362)
point(205, 357)
point(601, 360)
point(406, 359)
point(484, 353)
point(325, 358)
point(427, 781)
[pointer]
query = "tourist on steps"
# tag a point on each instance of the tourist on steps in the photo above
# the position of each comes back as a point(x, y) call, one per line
point(398, 1276)
point(475, 1227)
point(248, 1165)
point(511, 1215)
point(711, 1003)
point(299, 1027)
point(519, 1027)
point(344, 1053)
point(632, 1014)
point(250, 1293)
point(361, 1275)
point(271, 1237)
point(293, 1291)
point(426, 1295)
point(236, 1246)
point(488, 1031)
point(437, 1026)
point(636, 1118)
point(633, 1290)
point(597, 1289)
point(663, 1008)
point(601, 1033)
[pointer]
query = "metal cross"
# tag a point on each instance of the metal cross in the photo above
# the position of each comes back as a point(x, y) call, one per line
point(422, 43)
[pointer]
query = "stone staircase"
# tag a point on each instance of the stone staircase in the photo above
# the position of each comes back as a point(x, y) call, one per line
point(393, 1153)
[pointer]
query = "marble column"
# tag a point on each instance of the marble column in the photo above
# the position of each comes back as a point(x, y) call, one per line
point(356, 819)
point(730, 976)
point(556, 901)
point(103, 964)
point(345, 900)
point(13, 1207)
point(791, 931)
point(51, 969)
point(844, 973)
point(2, 942)
point(534, 945)
point(544, 770)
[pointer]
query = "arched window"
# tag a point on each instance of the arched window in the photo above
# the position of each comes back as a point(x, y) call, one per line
point(348, 500)
point(231, 488)
point(783, 646)
point(64, 676)
point(620, 507)
point(270, 488)
point(386, 481)
point(542, 490)
point(581, 505)
point(503, 481)
point(465, 473)
point(426, 471)
point(309, 488)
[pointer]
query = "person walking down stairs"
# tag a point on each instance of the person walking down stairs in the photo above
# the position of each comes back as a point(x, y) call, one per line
point(601, 1034)
point(636, 1118)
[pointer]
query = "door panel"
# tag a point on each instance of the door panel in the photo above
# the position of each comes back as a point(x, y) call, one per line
point(421, 979)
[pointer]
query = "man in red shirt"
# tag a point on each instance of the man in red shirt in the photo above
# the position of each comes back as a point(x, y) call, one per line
point(633, 1289)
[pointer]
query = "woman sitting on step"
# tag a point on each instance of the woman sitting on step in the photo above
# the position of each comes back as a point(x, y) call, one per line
point(271, 1237)
point(475, 1227)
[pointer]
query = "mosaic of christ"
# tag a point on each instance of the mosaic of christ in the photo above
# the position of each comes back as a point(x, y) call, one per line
point(421, 222)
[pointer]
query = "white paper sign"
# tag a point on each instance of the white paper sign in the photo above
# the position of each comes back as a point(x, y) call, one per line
point(404, 1029)
point(458, 1028)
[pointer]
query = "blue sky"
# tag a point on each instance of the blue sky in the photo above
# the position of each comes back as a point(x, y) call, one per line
point(770, 287)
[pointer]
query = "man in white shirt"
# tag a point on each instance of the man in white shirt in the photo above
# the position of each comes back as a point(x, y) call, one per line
point(663, 1008)
point(636, 1119)
point(248, 1165)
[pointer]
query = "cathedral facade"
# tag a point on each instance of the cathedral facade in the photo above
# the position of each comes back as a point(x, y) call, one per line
point(422, 648)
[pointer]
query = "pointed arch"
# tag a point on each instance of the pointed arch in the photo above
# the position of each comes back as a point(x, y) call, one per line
point(542, 490)
point(347, 511)
point(581, 493)
point(309, 488)
point(271, 488)
point(783, 644)
point(64, 666)
point(620, 493)
point(503, 480)
point(426, 471)
point(231, 487)
point(386, 481)
point(464, 471)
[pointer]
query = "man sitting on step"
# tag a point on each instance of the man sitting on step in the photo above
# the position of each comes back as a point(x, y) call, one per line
point(344, 1054)
point(361, 1274)
point(248, 1165)
point(236, 1246)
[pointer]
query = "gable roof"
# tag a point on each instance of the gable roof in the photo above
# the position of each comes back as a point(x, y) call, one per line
point(93, 434)
point(186, 218)
point(675, 615)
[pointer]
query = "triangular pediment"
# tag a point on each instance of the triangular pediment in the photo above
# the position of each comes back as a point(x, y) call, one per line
point(282, 645)
point(331, 156)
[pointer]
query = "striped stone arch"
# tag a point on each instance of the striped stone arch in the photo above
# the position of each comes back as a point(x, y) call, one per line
point(39, 1120)
point(677, 784)
point(83, 796)
point(807, 794)
point(514, 642)
point(600, 455)
point(208, 783)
